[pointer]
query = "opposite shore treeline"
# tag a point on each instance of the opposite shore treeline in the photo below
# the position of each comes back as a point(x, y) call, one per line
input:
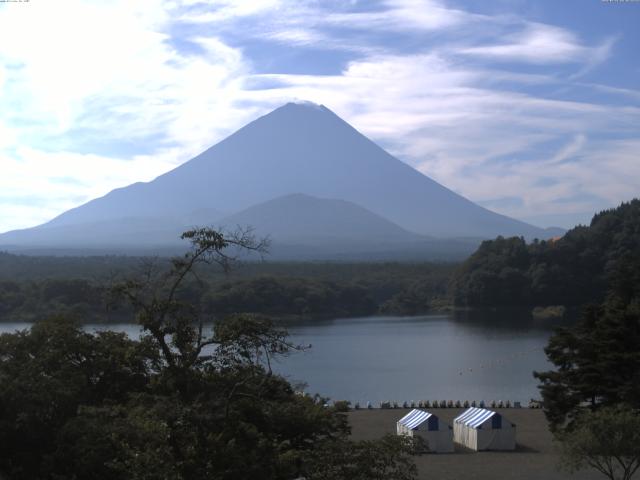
point(506, 272)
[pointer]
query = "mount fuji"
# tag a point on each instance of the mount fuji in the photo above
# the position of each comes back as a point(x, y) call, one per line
point(299, 174)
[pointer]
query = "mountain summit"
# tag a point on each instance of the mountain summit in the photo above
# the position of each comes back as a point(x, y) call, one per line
point(297, 148)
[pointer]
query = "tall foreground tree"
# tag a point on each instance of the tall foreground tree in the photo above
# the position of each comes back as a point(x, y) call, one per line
point(173, 322)
point(181, 403)
point(607, 440)
point(47, 374)
point(592, 399)
point(598, 360)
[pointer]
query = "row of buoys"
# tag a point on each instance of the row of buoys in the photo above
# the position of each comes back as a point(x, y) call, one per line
point(501, 361)
point(449, 404)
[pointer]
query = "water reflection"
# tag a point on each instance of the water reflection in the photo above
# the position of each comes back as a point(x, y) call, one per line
point(511, 319)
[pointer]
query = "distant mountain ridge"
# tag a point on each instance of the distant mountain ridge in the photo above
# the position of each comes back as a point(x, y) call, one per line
point(300, 218)
point(296, 149)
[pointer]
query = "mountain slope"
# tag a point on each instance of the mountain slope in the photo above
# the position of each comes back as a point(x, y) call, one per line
point(122, 233)
point(296, 148)
point(299, 218)
point(303, 148)
point(300, 228)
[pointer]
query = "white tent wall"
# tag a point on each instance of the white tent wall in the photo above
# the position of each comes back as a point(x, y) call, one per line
point(403, 430)
point(438, 440)
point(465, 436)
point(478, 429)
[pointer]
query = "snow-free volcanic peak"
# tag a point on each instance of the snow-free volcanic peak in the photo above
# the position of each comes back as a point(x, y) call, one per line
point(297, 148)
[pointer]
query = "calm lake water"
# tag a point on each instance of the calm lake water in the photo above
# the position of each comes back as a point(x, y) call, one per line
point(459, 356)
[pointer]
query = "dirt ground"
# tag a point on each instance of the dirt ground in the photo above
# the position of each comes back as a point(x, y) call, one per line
point(536, 456)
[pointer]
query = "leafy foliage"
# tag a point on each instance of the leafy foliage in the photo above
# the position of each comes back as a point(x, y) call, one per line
point(598, 360)
point(573, 270)
point(272, 296)
point(607, 440)
point(180, 403)
point(591, 399)
point(82, 290)
point(48, 373)
point(387, 458)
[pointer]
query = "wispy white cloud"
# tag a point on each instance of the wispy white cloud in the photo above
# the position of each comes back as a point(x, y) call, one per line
point(174, 77)
point(481, 142)
point(216, 11)
point(542, 44)
point(625, 92)
point(66, 70)
point(598, 55)
point(573, 147)
point(37, 185)
point(403, 15)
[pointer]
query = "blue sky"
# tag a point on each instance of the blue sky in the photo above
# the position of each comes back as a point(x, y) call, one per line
point(530, 108)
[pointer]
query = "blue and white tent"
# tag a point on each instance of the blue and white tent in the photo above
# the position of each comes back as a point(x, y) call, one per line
point(437, 435)
point(482, 429)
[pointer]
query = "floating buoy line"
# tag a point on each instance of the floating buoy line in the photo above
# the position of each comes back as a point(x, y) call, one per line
point(498, 362)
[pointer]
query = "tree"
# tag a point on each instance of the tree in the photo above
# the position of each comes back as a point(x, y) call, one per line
point(237, 418)
point(49, 372)
point(597, 362)
point(573, 270)
point(607, 440)
point(592, 398)
point(389, 458)
point(178, 404)
point(174, 324)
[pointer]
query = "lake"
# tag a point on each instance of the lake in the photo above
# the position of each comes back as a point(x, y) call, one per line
point(481, 355)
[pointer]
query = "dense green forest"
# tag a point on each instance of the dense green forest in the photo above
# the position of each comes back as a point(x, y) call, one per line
point(182, 402)
point(591, 397)
point(573, 270)
point(506, 272)
point(33, 287)
point(597, 360)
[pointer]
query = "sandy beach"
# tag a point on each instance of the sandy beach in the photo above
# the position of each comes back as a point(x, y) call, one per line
point(536, 456)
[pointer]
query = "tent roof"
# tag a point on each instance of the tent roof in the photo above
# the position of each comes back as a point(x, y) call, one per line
point(415, 418)
point(474, 417)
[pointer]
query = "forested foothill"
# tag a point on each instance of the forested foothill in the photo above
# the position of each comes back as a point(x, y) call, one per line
point(573, 270)
point(34, 287)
